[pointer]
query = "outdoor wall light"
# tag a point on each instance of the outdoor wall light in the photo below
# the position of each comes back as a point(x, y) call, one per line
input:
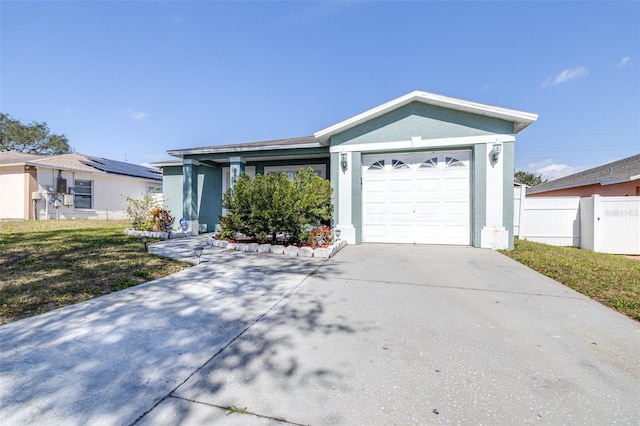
point(198, 252)
point(337, 234)
point(495, 153)
point(343, 161)
point(144, 240)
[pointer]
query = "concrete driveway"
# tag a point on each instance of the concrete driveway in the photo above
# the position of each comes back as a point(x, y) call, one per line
point(379, 334)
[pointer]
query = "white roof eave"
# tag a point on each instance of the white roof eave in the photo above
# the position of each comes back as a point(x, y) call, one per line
point(521, 119)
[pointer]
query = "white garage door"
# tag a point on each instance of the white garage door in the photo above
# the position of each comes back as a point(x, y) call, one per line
point(419, 197)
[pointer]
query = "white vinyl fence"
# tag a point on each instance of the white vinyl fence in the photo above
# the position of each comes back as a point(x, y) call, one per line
point(601, 224)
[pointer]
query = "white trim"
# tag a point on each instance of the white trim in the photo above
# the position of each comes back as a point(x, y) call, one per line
point(521, 118)
point(190, 161)
point(416, 143)
point(619, 180)
point(241, 148)
point(237, 160)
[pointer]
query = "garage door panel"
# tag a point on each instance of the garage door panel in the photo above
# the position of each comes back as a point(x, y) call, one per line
point(426, 234)
point(428, 185)
point(431, 209)
point(400, 208)
point(400, 186)
point(460, 208)
point(375, 232)
point(426, 197)
point(401, 233)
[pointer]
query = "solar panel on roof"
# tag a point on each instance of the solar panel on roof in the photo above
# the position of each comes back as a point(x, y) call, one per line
point(122, 168)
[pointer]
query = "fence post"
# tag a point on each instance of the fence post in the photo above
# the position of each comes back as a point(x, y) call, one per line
point(521, 218)
point(597, 215)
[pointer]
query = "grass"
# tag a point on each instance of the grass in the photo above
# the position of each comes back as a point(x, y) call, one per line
point(50, 264)
point(610, 279)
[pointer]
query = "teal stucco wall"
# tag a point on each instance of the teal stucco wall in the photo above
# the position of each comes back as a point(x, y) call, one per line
point(427, 121)
point(209, 196)
point(172, 190)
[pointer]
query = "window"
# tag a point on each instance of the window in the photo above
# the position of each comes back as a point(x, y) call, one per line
point(398, 164)
point(453, 162)
point(292, 171)
point(378, 165)
point(429, 163)
point(83, 195)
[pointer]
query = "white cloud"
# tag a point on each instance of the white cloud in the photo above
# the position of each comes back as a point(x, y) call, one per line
point(564, 76)
point(624, 62)
point(136, 115)
point(550, 169)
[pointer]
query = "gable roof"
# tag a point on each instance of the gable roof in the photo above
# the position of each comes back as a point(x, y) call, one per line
point(81, 163)
point(520, 119)
point(625, 170)
point(123, 168)
point(297, 142)
point(11, 157)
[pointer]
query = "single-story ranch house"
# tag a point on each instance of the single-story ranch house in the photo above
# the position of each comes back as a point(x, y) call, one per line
point(422, 168)
point(70, 186)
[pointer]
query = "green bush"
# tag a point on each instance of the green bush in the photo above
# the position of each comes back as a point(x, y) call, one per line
point(145, 216)
point(265, 206)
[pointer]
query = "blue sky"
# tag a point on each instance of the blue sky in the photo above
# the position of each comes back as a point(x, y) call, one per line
point(135, 79)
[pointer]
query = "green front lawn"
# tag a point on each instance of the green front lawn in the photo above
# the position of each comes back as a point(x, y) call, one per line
point(48, 264)
point(610, 279)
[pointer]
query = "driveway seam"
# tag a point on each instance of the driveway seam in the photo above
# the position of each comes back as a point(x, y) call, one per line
point(459, 288)
point(244, 412)
point(215, 355)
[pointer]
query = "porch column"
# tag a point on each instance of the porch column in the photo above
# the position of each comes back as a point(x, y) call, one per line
point(190, 193)
point(344, 198)
point(236, 168)
point(494, 234)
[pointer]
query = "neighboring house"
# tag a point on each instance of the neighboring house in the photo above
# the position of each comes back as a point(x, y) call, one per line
point(422, 168)
point(70, 186)
point(619, 178)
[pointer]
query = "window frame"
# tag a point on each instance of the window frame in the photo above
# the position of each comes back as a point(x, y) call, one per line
point(82, 195)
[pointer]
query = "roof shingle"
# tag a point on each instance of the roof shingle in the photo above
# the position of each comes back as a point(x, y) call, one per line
point(618, 171)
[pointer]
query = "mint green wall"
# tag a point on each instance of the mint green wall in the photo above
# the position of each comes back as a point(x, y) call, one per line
point(427, 121)
point(209, 196)
point(478, 192)
point(172, 190)
point(508, 154)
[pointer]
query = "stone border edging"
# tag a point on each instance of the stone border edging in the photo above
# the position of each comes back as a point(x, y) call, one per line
point(161, 235)
point(321, 252)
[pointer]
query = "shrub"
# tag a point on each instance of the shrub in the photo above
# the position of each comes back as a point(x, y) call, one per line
point(145, 215)
point(269, 205)
point(161, 219)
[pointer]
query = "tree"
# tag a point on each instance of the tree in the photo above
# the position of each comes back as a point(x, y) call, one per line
point(31, 138)
point(529, 179)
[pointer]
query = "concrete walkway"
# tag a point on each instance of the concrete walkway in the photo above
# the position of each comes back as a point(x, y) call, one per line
point(379, 334)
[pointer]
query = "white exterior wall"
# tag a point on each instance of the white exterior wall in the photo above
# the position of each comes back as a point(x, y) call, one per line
point(587, 241)
point(494, 234)
point(345, 217)
point(552, 220)
point(109, 193)
point(12, 193)
point(600, 224)
point(519, 196)
point(617, 225)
